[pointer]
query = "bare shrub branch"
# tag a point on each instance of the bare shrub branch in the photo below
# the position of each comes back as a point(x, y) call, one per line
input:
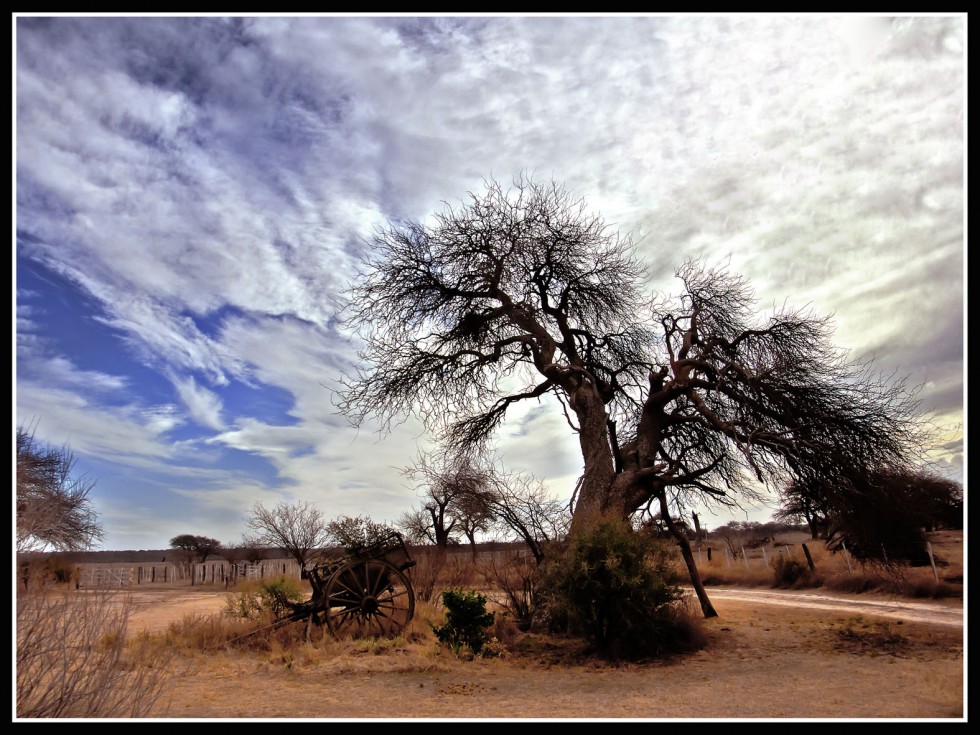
point(73, 659)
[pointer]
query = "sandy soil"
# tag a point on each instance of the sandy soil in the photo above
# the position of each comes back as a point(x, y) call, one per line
point(822, 657)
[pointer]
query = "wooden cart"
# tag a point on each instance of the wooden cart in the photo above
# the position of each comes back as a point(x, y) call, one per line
point(364, 594)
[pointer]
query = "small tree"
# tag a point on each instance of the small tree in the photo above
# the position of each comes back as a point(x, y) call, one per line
point(467, 621)
point(452, 487)
point(882, 515)
point(298, 528)
point(53, 505)
point(417, 526)
point(199, 547)
point(357, 533)
point(522, 507)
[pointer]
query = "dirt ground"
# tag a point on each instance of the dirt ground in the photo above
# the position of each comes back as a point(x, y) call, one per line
point(803, 659)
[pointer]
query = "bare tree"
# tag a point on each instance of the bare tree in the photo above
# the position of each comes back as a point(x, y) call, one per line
point(451, 486)
point(520, 294)
point(53, 505)
point(474, 514)
point(806, 501)
point(298, 528)
point(416, 524)
point(474, 493)
point(522, 506)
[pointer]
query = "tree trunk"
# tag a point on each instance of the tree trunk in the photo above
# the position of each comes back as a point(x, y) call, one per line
point(596, 495)
point(706, 607)
point(606, 491)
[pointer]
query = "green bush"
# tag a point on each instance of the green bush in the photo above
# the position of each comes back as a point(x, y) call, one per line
point(616, 587)
point(264, 599)
point(467, 621)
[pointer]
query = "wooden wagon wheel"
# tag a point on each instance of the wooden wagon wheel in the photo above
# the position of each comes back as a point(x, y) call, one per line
point(368, 598)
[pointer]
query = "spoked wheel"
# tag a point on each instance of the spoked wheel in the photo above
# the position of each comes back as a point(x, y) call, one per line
point(369, 598)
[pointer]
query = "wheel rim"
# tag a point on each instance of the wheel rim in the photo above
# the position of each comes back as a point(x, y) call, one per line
point(370, 598)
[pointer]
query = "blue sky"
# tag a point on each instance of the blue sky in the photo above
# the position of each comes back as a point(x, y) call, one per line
point(192, 195)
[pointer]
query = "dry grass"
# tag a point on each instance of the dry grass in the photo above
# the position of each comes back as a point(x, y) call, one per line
point(755, 662)
point(836, 572)
point(769, 662)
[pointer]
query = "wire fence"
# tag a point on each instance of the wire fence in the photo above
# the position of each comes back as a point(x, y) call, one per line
point(764, 557)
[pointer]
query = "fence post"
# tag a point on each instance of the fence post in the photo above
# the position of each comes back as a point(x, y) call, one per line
point(932, 560)
point(809, 559)
point(745, 558)
point(728, 558)
point(765, 558)
point(847, 557)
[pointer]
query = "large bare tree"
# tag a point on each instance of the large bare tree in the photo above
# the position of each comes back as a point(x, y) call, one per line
point(519, 294)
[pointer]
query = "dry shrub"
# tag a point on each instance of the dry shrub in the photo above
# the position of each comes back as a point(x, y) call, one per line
point(419, 629)
point(896, 581)
point(265, 599)
point(436, 570)
point(853, 583)
point(209, 632)
point(265, 634)
point(930, 588)
point(687, 625)
point(793, 574)
point(872, 639)
point(512, 573)
point(506, 631)
point(73, 659)
point(757, 576)
point(712, 577)
point(458, 571)
point(425, 573)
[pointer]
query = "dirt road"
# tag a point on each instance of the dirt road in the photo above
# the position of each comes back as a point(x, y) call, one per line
point(936, 613)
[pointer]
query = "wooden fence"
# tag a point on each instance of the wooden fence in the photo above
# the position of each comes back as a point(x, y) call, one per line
point(206, 573)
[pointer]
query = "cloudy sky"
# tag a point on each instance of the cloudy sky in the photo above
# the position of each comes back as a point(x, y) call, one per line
point(192, 195)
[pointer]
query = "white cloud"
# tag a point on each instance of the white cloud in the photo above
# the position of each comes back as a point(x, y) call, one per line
point(203, 405)
point(209, 182)
point(124, 434)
